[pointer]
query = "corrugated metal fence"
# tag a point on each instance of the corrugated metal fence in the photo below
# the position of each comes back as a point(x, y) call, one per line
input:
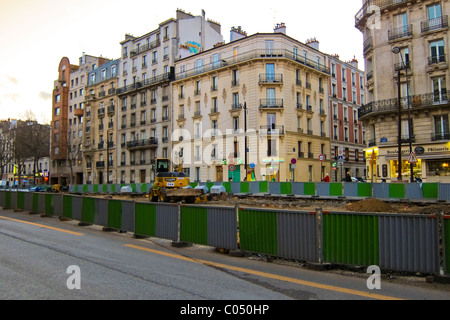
point(401, 242)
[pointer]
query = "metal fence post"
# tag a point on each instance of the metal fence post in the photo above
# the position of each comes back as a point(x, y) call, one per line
point(318, 214)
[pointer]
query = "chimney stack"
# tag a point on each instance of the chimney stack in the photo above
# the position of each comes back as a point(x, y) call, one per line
point(280, 28)
point(313, 43)
point(237, 33)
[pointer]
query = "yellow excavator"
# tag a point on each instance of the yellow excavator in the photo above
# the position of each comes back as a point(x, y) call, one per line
point(173, 185)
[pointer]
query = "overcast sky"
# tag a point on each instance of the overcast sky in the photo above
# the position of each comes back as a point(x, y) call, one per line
point(36, 34)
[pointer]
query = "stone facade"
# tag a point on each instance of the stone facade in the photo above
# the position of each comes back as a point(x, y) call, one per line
point(269, 88)
point(406, 41)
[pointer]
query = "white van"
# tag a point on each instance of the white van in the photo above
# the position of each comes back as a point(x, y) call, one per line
point(4, 184)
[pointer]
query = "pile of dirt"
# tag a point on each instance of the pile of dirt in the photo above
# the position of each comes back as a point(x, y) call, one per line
point(434, 209)
point(370, 205)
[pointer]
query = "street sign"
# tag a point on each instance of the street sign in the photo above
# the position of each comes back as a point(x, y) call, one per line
point(322, 158)
point(341, 159)
point(412, 158)
point(231, 167)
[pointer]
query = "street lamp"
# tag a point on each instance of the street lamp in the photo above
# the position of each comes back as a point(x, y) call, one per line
point(396, 50)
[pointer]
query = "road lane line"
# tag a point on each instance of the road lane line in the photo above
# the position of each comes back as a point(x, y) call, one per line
point(269, 275)
point(42, 226)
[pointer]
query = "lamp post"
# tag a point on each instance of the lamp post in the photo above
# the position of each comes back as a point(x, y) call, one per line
point(245, 137)
point(396, 50)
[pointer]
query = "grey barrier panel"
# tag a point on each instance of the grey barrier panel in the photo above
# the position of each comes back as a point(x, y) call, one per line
point(350, 189)
point(274, 188)
point(28, 205)
point(101, 212)
point(90, 188)
point(413, 191)
point(118, 186)
point(235, 187)
point(41, 203)
point(14, 200)
point(58, 205)
point(297, 235)
point(222, 227)
point(408, 243)
point(71, 188)
point(444, 192)
point(254, 187)
point(128, 214)
point(2, 198)
point(322, 189)
point(77, 207)
point(380, 190)
point(167, 221)
point(297, 188)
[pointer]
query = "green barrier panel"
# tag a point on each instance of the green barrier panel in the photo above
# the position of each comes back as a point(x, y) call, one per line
point(67, 206)
point(20, 200)
point(95, 188)
point(75, 188)
point(285, 188)
point(115, 214)
point(49, 204)
point(105, 188)
point(85, 188)
point(194, 225)
point(143, 188)
point(263, 186)
point(397, 190)
point(35, 203)
point(7, 200)
point(309, 189)
point(430, 190)
point(258, 231)
point(447, 243)
point(193, 184)
point(227, 186)
point(88, 210)
point(113, 188)
point(336, 189)
point(364, 190)
point(350, 239)
point(145, 219)
point(133, 187)
point(245, 187)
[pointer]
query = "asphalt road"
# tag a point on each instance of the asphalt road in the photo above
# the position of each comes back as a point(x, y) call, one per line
point(47, 259)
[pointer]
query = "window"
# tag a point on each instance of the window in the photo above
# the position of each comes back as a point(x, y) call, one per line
point(441, 128)
point(439, 89)
point(214, 83)
point(235, 124)
point(235, 77)
point(57, 111)
point(437, 52)
point(58, 98)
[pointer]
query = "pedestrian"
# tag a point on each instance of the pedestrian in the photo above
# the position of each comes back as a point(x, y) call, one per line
point(348, 178)
point(326, 178)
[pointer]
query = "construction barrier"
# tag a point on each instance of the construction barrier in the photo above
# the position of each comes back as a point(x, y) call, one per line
point(399, 242)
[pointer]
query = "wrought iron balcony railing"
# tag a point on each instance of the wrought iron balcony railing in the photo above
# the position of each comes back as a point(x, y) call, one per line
point(434, 24)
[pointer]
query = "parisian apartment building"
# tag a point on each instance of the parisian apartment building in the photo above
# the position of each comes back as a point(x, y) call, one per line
point(407, 106)
point(252, 109)
point(100, 124)
point(144, 92)
point(68, 107)
point(347, 132)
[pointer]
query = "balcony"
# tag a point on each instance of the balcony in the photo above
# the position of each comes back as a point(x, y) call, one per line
point(271, 104)
point(437, 136)
point(270, 78)
point(100, 164)
point(78, 112)
point(272, 130)
point(436, 59)
point(151, 143)
point(101, 112)
point(400, 32)
point(434, 24)
point(416, 103)
point(255, 54)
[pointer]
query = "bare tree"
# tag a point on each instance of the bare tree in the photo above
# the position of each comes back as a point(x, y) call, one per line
point(6, 143)
point(32, 141)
